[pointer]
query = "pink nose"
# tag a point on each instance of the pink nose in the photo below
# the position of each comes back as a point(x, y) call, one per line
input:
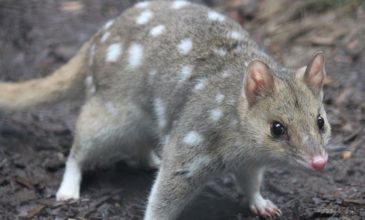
point(318, 163)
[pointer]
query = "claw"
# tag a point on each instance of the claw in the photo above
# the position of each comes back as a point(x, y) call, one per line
point(264, 208)
point(254, 210)
point(278, 213)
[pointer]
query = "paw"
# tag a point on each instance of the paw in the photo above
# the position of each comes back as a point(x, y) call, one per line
point(67, 194)
point(264, 208)
point(70, 186)
point(64, 194)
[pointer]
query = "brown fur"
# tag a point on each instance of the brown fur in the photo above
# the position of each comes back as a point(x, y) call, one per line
point(65, 83)
point(196, 100)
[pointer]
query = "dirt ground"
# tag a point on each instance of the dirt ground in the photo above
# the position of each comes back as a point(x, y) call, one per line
point(38, 36)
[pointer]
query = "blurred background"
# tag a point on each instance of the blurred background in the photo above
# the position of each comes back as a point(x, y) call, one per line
point(37, 36)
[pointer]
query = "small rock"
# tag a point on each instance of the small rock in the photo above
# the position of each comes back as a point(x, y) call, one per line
point(346, 154)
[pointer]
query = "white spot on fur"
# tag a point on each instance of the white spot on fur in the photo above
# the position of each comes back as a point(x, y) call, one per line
point(200, 84)
point(219, 98)
point(185, 46)
point(186, 72)
point(220, 51)
point(225, 74)
point(246, 64)
point(70, 186)
point(215, 114)
point(111, 108)
point(142, 4)
point(193, 138)
point(135, 55)
point(108, 24)
point(214, 16)
point(160, 111)
point(235, 35)
point(179, 4)
point(144, 17)
point(105, 37)
point(157, 30)
point(113, 52)
point(89, 82)
point(154, 160)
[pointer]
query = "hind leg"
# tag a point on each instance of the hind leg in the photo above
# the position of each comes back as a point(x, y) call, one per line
point(71, 180)
point(104, 136)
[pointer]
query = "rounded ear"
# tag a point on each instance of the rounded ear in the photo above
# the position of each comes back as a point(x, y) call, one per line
point(315, 73)
point(258, 81)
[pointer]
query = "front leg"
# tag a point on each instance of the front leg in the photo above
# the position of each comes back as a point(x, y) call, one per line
point(250, 180)
point(175, 186)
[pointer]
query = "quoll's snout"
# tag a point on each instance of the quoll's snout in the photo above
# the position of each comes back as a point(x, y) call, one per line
point(316, 155)
point(318, 162)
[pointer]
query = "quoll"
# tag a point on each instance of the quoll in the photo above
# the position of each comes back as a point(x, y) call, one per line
point(181, 88)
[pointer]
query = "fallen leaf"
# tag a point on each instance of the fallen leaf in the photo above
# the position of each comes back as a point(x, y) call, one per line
point(73, 6)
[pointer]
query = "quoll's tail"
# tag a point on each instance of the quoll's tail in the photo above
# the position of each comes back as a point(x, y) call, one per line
point(66, 82)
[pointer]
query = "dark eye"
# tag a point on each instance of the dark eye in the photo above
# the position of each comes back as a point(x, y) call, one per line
point(320, 122)
point(277, 129)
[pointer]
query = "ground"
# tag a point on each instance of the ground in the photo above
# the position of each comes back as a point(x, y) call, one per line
point(38, 36)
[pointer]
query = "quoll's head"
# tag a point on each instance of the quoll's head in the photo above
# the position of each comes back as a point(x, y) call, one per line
point(286, 116)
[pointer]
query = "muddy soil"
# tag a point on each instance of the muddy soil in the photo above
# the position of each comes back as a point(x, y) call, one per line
point(38, 36)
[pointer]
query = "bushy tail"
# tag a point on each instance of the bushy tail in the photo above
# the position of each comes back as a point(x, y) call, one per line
point(66, 82)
